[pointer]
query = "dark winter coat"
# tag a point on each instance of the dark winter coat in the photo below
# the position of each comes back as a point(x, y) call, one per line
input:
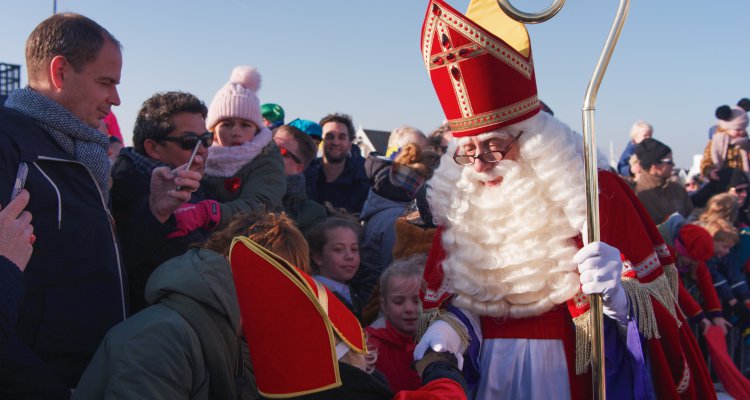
point(75, 289)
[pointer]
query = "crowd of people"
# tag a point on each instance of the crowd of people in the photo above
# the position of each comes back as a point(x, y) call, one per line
point(229, 254)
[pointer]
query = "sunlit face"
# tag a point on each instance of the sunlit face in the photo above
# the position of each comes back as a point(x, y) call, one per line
point(339, 259)
point(508, 148)
point(721, 248)
point(401, 303)
point(90, 94)
point(170, 152)
point(235, 131)
point(286, 140)
point(336, 142)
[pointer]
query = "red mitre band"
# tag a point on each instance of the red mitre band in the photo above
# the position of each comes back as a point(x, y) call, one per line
point(291, 323)
point(482, 82)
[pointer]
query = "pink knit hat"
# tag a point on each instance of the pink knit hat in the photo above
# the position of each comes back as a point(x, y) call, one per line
point(734, 117)
point(237, 99)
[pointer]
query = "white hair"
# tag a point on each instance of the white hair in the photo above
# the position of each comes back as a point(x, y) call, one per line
point(638, 127)
point(509, 248)
point(404, 135)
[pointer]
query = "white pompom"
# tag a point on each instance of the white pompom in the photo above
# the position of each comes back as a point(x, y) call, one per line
point(247, 76)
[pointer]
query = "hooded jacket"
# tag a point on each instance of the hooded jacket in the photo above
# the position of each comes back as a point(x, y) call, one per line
point(164, 353)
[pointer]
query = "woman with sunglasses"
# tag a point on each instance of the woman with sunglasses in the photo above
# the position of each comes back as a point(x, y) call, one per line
point(244, 169)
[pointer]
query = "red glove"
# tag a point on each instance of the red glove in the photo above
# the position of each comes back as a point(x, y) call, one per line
point(205, 214)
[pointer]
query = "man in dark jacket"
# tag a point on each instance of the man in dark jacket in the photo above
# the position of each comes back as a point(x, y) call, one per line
point(339, 176)
point(167, 129)
point(660, 196)
point(75, 289)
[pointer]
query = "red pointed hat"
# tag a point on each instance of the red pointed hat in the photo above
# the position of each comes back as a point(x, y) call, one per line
point(291, 323)
point(482, 81)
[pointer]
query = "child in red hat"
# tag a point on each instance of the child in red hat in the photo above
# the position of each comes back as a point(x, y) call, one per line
point(694, 246)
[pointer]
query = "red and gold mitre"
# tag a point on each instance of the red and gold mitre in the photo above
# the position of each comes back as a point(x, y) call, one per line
point(291, 323)
point(482, 81)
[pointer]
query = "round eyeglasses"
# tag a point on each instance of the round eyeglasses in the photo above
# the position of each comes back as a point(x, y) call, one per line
point(491, 157)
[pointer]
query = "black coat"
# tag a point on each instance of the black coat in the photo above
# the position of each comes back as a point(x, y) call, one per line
point(75, 287)
point(143, 237)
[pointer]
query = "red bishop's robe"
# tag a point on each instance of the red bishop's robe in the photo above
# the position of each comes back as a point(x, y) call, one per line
point(649, 276)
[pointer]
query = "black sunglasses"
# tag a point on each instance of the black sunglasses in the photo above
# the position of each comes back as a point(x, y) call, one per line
point(285, 152)
point(189, 140)
point(488, 157)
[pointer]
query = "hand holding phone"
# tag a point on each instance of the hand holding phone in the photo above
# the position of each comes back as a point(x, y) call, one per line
point(190, 160)
point(23, 171)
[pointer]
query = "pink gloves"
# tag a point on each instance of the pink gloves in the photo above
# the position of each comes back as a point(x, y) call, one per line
point(205, 214)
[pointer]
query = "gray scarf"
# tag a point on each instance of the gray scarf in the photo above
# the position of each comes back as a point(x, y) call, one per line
point(82, 142)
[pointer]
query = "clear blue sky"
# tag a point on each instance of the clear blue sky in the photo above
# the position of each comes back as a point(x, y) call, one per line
point(675, 63)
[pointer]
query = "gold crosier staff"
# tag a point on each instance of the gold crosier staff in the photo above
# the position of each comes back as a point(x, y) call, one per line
point(589, 144)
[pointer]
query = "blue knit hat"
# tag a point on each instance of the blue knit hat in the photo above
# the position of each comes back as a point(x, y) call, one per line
point(311, 128)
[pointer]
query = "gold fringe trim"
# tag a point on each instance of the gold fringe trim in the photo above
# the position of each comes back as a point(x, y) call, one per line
point(582, 325)
point(662, 289)
point(670, 271)
point(424, 320)
point(640, 294)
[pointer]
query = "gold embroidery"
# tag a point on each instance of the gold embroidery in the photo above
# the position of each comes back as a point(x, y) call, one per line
point(496, 116)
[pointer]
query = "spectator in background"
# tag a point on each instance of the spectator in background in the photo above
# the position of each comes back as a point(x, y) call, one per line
point(402, 136)
point(660, 196)
point(337, 177)
point(693, 247)
point(334, 252)
point(729, 145)
point(167, 129)
point(439, 139)
point(244, 169)
point(273, 115)
point(393, 194)
point(74, 279)
point(639, 131)
point(728, 277)
point(298, 151)
point(394, 343)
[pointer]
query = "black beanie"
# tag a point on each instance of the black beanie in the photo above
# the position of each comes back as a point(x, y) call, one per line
point(649, 151)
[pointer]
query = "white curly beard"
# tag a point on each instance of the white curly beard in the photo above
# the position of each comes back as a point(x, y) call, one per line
point(509, 248)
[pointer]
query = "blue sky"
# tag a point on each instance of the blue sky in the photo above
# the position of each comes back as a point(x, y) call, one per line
point(675, 63)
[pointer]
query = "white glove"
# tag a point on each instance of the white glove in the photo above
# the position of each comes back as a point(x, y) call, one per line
point(600, 267)
point(440, 336)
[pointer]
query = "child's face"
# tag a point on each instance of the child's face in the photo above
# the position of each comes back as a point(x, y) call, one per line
point(235, 131)
point(401, 303)
point(339, 259)
point(721, 248)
